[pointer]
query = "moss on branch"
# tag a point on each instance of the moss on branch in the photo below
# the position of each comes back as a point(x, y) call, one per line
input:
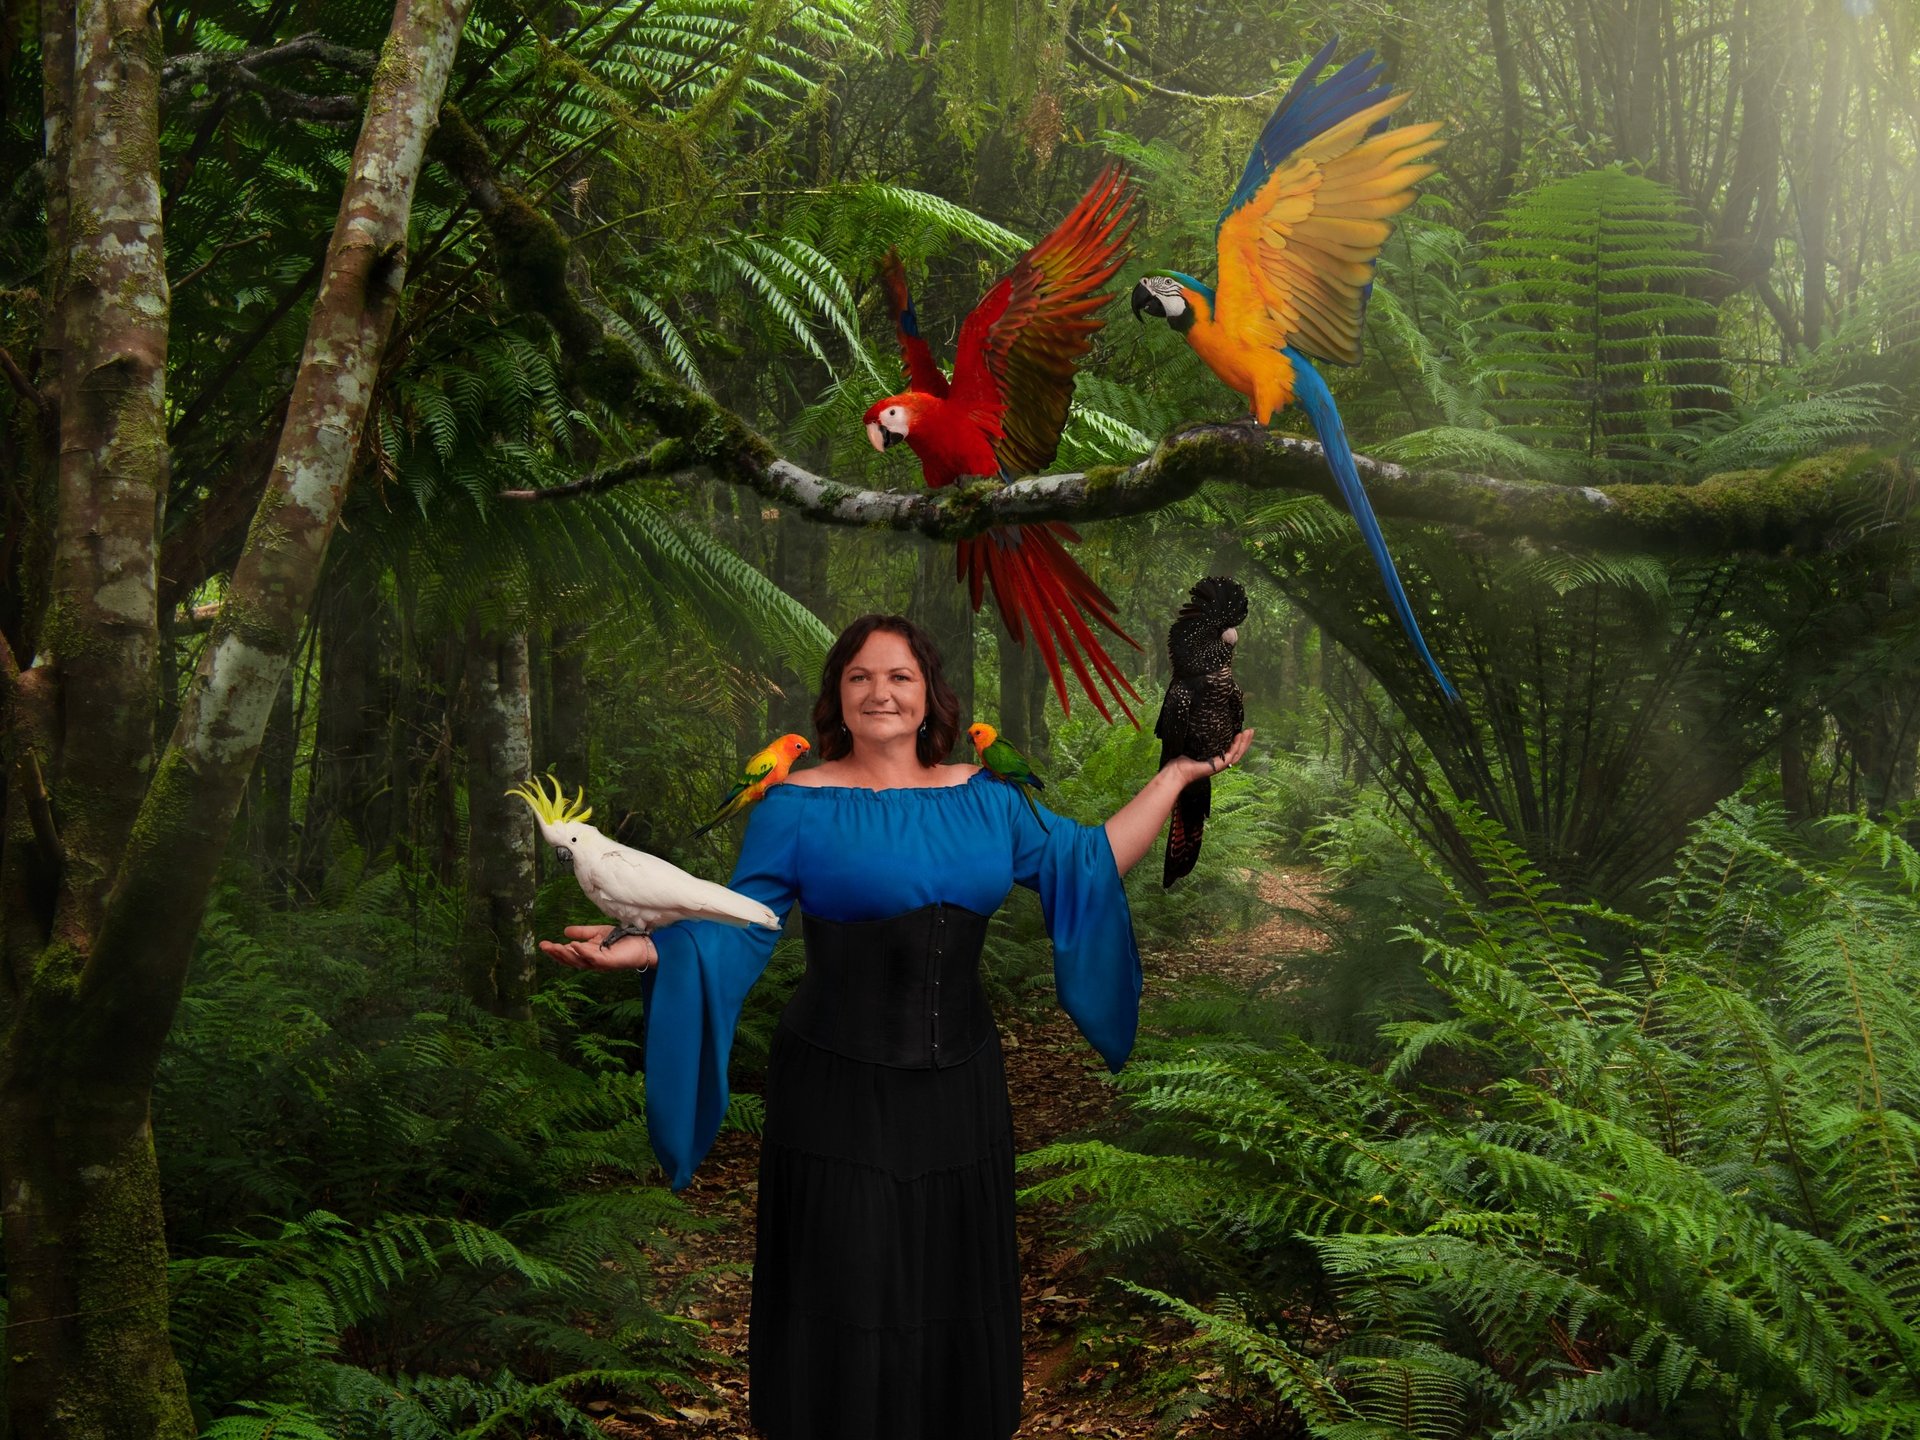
point(1811, 503)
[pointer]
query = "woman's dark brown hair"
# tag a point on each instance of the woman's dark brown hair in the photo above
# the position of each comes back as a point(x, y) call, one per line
point(942, 725)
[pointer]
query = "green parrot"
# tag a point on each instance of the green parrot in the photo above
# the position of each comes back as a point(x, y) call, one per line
point(1006, 763)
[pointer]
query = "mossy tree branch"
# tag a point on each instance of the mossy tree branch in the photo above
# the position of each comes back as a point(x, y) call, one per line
point(1808, 505)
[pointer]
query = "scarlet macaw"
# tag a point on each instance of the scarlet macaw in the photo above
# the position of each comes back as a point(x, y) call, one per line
point(1001, 416)
point(760, 774)
point(1296, 248)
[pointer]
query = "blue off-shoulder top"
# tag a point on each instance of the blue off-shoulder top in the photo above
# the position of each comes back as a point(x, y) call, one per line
point(851, 854)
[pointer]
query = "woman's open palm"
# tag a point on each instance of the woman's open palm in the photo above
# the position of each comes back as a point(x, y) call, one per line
point(582, 950)
point(1190, 770)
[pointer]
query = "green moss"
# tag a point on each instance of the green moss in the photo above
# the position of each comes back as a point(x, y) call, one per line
point(457, 145)
point(1751, 508)
point(166, 815)
point(1104, 477)
point(55, 972)
point(255, 623)
point(393, 72)
point(68, 637)
point(532, 260)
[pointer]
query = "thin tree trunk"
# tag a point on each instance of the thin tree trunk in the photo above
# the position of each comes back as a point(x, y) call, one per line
point(1512, 117)
point(88, 1352)
point(497, 961)
point(942, 606)
point(270, 796)
point(1015, 684)
point(561, 738)
point(349, 729)
point(1796, 786)
point(1819, 173)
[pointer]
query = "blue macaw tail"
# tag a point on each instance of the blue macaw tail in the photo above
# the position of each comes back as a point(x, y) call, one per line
point(1317, 400)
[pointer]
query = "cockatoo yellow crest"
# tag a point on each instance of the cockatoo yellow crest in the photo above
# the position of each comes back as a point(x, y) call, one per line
point(640, 891)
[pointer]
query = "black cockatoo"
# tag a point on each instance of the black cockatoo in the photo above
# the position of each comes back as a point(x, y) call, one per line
point(1203, 710)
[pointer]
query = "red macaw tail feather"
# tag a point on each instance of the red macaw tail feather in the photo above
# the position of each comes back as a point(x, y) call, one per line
point(1038, 586)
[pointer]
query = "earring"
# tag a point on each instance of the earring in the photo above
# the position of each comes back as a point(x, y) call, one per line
point(923, 729)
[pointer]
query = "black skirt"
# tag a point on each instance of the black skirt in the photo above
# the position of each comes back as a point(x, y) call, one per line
point(886, 1279)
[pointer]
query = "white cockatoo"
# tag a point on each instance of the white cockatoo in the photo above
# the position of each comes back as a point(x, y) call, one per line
point(640, 891)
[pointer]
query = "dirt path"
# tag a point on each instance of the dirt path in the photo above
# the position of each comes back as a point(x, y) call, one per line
point(1078, 1380)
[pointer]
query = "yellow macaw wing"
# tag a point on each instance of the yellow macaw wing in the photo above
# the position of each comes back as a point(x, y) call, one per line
point(1296, 259)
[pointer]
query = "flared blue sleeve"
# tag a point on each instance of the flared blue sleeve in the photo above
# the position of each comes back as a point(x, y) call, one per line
point(693, 997)
point(1096, 965)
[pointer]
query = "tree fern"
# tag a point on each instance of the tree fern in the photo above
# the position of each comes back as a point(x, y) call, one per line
point(1589, 316)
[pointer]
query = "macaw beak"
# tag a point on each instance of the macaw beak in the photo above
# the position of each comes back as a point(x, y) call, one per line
point(1145, 300)
point(1230, 635)
point(881, 437)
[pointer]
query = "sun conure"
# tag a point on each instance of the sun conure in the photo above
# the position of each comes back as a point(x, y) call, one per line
point(1000, 416)
point(1296, 250)
point(1006, 763)
point(766, 769)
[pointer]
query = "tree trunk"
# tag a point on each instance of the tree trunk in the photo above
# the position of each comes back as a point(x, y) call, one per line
point(1016, 686)
point(1819, 167)
point(942, 606)
point(351, 728)
point(1512, 116)
point(270, 796)
point(1796, 787)
point(497, 961)
point(561, 740)
point(793, 543)
point(88, 1352)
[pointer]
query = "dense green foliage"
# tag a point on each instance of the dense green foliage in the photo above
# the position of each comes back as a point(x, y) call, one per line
point(396, 1215)
point(1595, 1177)
point(1535, 1148)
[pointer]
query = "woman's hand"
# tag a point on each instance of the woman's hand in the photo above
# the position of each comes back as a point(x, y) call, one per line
point(1137, 824)
point(1187, 771)
point(582, 950)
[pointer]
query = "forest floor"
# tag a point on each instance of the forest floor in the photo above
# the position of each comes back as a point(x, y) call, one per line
point(1091, 1348)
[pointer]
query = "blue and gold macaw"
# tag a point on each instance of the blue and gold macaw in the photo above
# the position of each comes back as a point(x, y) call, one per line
point(1297, 245)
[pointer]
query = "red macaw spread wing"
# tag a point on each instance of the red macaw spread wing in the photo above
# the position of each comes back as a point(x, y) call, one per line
point(923, 372)
point(1015, 362)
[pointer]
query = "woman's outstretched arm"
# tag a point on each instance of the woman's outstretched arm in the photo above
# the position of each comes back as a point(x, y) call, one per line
point(1136, 824)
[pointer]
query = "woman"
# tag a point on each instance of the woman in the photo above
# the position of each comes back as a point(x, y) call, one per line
point(886, 1285)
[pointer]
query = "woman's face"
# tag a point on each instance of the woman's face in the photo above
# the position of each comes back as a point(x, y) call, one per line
point(883, 695)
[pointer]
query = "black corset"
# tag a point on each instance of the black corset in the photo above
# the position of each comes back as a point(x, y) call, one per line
point(902, 991)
